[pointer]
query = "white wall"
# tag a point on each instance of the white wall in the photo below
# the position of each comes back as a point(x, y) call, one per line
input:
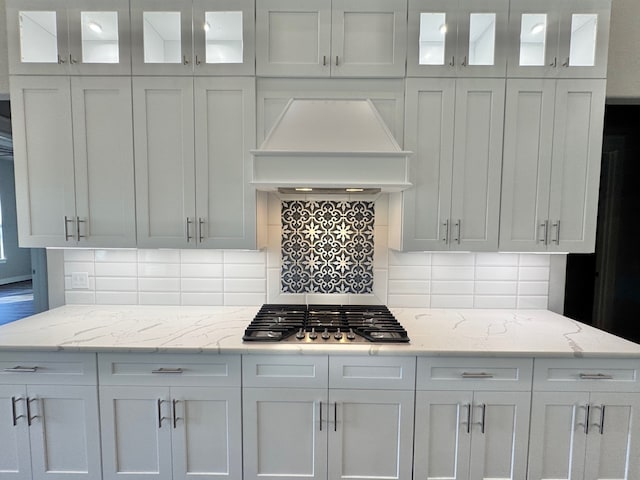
point(17, 265)
point(623, 78)
point(231, 277)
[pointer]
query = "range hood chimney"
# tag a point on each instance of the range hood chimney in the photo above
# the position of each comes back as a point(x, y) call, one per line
point(331, 145)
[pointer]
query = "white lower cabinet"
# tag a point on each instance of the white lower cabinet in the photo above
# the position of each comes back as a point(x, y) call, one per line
point(169, 427)
point(48, 423)
point(315, 432)
point(479, 432)
point(585, 420)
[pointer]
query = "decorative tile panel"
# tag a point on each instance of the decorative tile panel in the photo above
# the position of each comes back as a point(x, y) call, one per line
point(327, 247)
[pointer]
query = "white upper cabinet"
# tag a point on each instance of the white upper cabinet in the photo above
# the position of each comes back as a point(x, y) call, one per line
point(199, 37)
point(450, 38)
point(339, 38)
point(552, 39)
point(77, 37)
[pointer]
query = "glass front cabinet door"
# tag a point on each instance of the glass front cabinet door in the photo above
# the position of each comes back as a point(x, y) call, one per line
point(553, 39)
point(203, 37)
point(68, 37)
point(450, 38)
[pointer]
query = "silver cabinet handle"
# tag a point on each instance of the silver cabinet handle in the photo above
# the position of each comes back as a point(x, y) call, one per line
point(464, 61)
point(445, 224)
point(545, 232)
point(320, 416)
point(198, 61)
point(78, 222)
point(67, 236)
point(72, 61)
point(335, 416)
point(185, 60)
point(61, 60)
point(602, 407)
point(19, 369)
point(324, 60)
point(168, 370)
point(30, 418)
point(587, 414)
point(484, 414)
point(14, 413)
point(469, 409)
point(554, 64)
point(201, 230)
point(337, 60)
point(566, 62)
point(160, 417)
point(458, 226)
point(189, 222)
point(556, 225)
point(595, 376)
point(476, 375)
point(174, 402)
point(452, 63)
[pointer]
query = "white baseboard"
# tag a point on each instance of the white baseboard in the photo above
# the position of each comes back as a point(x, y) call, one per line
point(21, 278)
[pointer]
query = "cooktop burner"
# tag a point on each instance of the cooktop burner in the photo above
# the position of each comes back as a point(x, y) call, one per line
point(325, 324)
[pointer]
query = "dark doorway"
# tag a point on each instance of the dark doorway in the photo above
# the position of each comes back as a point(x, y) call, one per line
point(603, 289)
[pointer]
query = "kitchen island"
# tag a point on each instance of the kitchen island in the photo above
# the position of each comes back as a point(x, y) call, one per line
point(130, 392)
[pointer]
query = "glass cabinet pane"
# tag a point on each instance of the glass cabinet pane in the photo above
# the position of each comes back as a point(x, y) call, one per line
point(583, 40)
point(223, 34)
point(433, 32)
point(38, 37)
point(162, 37)
point(533, 39)
point(100, 37)
point(482, 38)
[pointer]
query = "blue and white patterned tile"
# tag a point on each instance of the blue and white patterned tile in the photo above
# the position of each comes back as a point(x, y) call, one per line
point(327, 247)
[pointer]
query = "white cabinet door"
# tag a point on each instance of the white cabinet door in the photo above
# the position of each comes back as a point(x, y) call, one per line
point(442, 435)
point(477, 164)
point(575, 172)
point(43, 156)
point(500, 430)
point(164, 161)
point(136, 432)
point(103, 149)
point(15, 454)
point(293, 38)
point(526, 168)
point(612, 443)
point(368, 38)
point(464, 39)
point(64, 432)
point(565, 40)
point(429, 135)
point(161, 37)
point(285, 433)
point(372, 434)
point(558, 435)
point(225, 134)
point(224, 37)
point(206, 435)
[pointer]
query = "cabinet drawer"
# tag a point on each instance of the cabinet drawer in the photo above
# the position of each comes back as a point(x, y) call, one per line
point(586, 374)
point(284, 371)
point(48, 368)
point(474, 373)
point(384, 373)
point(169, 369)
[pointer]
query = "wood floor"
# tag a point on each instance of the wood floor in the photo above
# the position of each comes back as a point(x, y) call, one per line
point(16, 301)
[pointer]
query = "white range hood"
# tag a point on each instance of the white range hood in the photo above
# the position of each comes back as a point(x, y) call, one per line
point(330, 144)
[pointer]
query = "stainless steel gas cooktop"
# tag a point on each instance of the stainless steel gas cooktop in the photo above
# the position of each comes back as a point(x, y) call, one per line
point(325, 324)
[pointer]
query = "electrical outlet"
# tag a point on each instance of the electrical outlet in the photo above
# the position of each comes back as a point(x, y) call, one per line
point(80, 280)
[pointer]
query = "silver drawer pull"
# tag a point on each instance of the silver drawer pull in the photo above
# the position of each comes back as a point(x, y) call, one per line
point(167, 370)
point(595, 376)
point(19, 369)
point(477, 375)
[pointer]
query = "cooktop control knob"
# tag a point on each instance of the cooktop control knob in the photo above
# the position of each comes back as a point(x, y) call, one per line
point(300, 334)
point(312, 334)
point(351, 335)
point(325, 335)
point(338, 335)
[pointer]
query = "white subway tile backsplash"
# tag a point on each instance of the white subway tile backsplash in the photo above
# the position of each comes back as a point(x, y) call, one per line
point(452, 273)
point(496, 273)
point(158, 298)
point(439, 287)
point(159, 284)
point(244, 271)
point(79, 255)
point(120, 256)
point(116, 298)
point(381, 208)
point(202, 299)
point(452, 259)
point(408, 301)
point(201, 256)
point(497, 259)
point(159, 270)
point(201, 285)
point(535, 260)
point(381, 246)
point(244, 256)
point(451, 301)
point(406, 272)
point(412, 259)
point(274, 252)
point(116, 269)
point(117, 284)
point(533, 274)
point(406, 287)
point(495, 301)
point(380, 285)
point(210, 270)
point(79, 267)
point(245, 285)
point(159, 256)
point(80, 297)
point(533, 288)
point(327, 298)
point(539, 302)
point(244, 299)
point(68, 285)
point(496, 288)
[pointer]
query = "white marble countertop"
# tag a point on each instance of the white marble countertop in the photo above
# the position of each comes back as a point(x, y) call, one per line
point(537, 333)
